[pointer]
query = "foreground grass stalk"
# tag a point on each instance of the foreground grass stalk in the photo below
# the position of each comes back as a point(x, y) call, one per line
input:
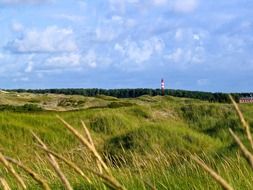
point(92, 144)
point(68, 162)
point(106, 179)
point(224, 184)
point(245, 151)
point(4, 184)
point(9, 167)
point(243, 121)
point(34, 175)
point(94, 152)
point(55, 165)
point(85, 143)
point(152, 187)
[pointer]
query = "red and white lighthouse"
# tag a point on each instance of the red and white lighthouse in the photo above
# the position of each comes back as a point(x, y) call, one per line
point(162, 86)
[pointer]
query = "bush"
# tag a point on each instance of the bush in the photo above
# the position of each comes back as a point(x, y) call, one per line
point(24, 108)
point(108, 123)
point(119, 104)
point(151, 138)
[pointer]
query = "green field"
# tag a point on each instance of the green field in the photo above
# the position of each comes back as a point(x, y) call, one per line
point(146, 141)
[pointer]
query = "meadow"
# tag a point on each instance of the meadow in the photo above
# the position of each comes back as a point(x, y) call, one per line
point(146, 142)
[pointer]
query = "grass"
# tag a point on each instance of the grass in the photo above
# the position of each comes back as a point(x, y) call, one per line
point(145, 142)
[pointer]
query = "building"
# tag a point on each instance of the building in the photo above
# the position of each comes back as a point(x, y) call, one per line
point(162, 87)
point(245, 100)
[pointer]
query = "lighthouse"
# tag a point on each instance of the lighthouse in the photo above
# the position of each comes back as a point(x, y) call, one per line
point(162, 86)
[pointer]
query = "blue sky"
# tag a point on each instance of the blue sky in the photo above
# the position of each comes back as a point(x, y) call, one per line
point(193, 44)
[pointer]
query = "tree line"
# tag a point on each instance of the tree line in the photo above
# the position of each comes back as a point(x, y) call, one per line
point(133, 93)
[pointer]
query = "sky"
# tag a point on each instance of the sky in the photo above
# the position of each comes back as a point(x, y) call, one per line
point(204, 45)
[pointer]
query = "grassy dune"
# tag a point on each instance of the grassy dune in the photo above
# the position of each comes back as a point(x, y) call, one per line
point(145, 141)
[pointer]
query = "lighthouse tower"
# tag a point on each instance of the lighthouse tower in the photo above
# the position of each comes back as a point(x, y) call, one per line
point(162, 86)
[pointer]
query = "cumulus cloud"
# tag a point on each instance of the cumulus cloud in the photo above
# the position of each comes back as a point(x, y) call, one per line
point(29, 67)
point(190, 36)
point(1, 56)
point(202, 82)
point(23, 79)
point(13, 2)
point(185, 5)
point(196, 37)
point(179, 34)
point(105, 34)
point(185, 56)
point(51, 39)
point(141, 51)
point(17, 27)
point(72, 18)
point(121, 5)
point(160, 2)
point(176, 55)
point(90, 59)
point(64, 61)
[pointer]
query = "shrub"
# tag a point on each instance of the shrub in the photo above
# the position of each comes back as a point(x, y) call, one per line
point(24, 108)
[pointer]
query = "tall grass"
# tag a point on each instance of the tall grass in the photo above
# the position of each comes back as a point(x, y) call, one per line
point(149, 146)
point(246, 153)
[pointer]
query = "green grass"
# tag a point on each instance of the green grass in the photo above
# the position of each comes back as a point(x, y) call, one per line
point(146, 140)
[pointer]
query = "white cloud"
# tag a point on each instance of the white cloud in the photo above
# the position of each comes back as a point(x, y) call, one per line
point(179, 34)
point(90, 59)
point(198, 55)
point(64, 61)
point(130, 23)
point(196, 37)
point(119, 48)
point(23, 79)
point(105, 34)
point(40, 75)
point(202, 82)
point(17, 27)
point(29, 67)
point(51, 39)
point(140, 52)
point(21, 1)
point(160, 2)
point(1, 56)
point(4, 58)
point(190, 36)
point(175, 56)
point(184, 56)
point(82, 4)
point(121, 5)
point(184, 5)
point(118, 19)
point(72, 18)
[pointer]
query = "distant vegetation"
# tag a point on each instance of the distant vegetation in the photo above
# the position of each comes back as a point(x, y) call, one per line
point(133, 93)
point(23, 108)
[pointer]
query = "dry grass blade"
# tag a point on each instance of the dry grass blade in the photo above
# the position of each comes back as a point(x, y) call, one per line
point(243, 121)
point(95, 153)
point(92, 144)
point(85, 143)
point(34, 175)
point(152, 187)
point(224, 184)
point(4, 184)
point(12, 171)
point(68, 162)
point(55, 165)
point(246, 153)
point(107, 179)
